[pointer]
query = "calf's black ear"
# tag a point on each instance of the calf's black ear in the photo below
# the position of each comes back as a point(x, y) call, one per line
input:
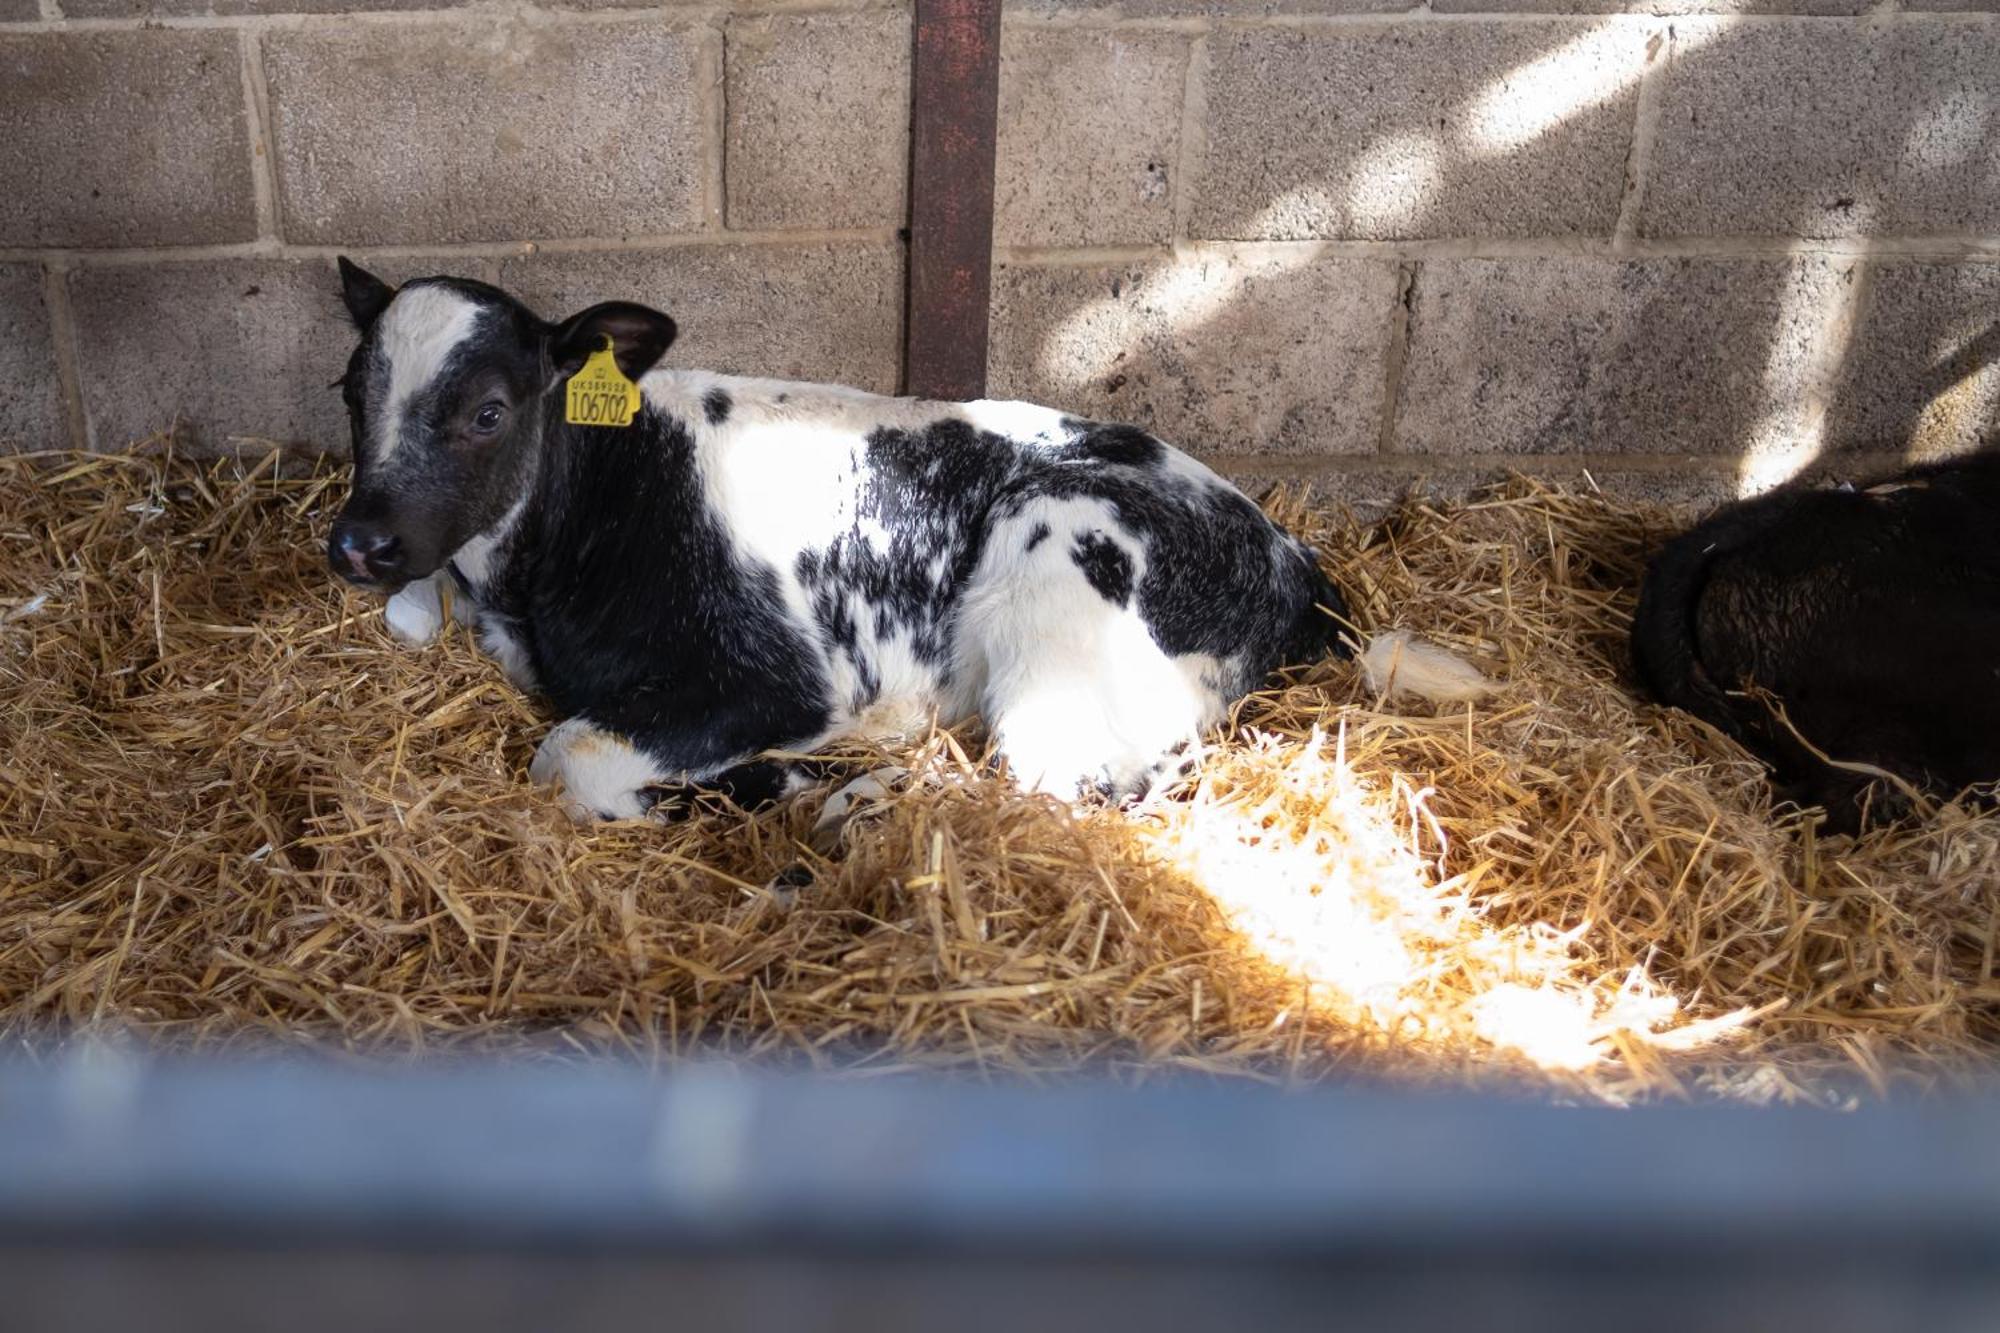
point(639, 337)
point(367, 296)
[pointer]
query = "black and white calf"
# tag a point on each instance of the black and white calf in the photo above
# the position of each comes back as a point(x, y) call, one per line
point(1872, 614)
point(754, 565)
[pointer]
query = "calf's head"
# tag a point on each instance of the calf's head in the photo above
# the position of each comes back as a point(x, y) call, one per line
point(450, 395)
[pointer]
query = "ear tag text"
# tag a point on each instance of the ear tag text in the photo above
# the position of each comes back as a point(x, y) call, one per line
point(599, 394)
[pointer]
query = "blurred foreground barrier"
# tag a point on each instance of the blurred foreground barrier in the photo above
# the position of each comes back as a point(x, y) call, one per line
point(284, 1194)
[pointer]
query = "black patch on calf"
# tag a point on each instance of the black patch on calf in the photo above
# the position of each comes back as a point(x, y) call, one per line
point(655, 630)
point(1126, 446)
point(1036, 536)
point(1106, 565)
point(715, 405)
point(931, 491)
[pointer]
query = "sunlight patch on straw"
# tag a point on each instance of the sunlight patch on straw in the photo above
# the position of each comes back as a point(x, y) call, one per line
point(1311, 868)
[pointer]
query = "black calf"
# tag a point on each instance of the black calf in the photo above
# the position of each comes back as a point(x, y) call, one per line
point(1869, 616)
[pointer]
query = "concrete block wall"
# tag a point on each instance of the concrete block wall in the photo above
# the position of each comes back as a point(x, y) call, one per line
point(177, 176)
point(1686, 246)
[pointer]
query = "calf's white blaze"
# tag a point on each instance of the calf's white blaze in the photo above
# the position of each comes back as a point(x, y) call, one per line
point(419, 330)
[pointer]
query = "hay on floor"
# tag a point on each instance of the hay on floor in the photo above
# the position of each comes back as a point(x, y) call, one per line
point(231, 810)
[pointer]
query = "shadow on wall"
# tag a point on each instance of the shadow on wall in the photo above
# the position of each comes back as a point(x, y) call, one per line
point(1613, 307)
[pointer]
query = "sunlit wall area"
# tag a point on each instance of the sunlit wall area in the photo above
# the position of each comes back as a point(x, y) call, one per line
point(1690, 251)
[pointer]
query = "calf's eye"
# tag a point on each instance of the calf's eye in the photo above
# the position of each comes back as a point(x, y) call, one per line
point(487, 419)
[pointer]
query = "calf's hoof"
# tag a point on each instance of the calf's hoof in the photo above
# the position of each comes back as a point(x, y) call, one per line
point(416, 614)
point(841, 808)
point(789, 883)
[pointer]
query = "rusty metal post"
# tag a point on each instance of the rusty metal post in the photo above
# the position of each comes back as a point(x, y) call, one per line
point(954, 112)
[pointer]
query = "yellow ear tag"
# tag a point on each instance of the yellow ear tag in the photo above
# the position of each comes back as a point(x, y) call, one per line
point(599, 394)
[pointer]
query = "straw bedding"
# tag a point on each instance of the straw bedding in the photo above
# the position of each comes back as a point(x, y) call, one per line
point(232, 810)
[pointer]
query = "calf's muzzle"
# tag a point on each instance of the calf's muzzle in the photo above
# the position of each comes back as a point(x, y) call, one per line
point(365, 553)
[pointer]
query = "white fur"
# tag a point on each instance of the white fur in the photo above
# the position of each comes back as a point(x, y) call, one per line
point(1398, 662)
point(418, 332)
point(416, 614)
point(1075, 689)
point(1024, 422)
point(595, 772)
point(475, 558)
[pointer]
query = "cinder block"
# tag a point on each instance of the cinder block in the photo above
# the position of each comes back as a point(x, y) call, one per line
point(1226, 9)
point(20, 11)
point(31, 398)
point(218, 351)
point(1089, 135)
point(807, 312)
point(123, 139)
point(1218, 354)
point(505, 129)
point(1663, 8)
point(1423, 130)
point(1599, 356)
point(1921, 375)
point(819, 120)
point(646, 4)
point(1843, 129)
point(231, 8)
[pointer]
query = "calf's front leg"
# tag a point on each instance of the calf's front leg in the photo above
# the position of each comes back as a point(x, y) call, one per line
point(599, 774)
point(596, 774)
point(416, 614)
